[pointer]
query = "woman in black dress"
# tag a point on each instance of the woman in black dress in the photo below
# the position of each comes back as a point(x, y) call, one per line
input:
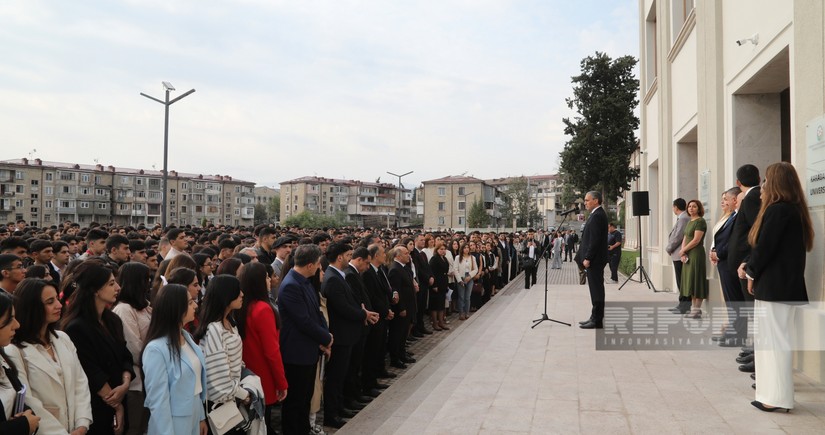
point(440, 267)
point(97, 333)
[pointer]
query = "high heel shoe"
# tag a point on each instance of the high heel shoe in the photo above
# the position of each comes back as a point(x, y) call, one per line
point(760, 406)
point(443, 326)
point(694, 314)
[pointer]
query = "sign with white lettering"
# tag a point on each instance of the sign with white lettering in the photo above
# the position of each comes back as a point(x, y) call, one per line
point(815, 180)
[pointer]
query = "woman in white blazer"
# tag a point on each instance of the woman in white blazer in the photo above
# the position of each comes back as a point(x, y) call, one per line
point(58, 390)
point(173, 366)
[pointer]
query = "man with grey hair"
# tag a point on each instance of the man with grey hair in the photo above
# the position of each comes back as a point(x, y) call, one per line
point(592, 256)
point(674, 243)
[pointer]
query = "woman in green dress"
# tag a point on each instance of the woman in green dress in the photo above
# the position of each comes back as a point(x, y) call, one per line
point(694, 276)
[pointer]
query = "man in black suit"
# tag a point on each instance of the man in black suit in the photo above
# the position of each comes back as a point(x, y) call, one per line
point(401, 281)
point(747, 178)
point(504, 258)
point(425, 281)
point(353, 275)
point(380, 294)
point(530, 258)
point(719, 256)
point(592, 256)
point(346, 318)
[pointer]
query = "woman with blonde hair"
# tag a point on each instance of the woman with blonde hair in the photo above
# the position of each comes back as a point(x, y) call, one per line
point(775, 270)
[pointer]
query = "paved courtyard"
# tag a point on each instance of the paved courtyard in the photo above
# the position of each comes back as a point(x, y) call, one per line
point(494, 374)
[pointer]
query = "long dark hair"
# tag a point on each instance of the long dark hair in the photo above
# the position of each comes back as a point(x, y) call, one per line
point(229, 266)
point(30, 311)
point(221, 291)
point(133, 279)
point(89, 277)
point(6, 307)
point(172, 302)
point(255, 285)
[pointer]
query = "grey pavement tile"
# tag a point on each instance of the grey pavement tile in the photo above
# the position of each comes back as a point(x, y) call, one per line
point(598, 422)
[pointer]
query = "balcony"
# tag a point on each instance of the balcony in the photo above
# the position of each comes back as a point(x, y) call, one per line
point(66, 209)
point(138, 212)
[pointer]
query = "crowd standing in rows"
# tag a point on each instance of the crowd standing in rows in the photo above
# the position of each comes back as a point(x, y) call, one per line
point(135, 329)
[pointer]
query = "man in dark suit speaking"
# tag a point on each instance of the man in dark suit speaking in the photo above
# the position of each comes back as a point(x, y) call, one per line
point(592, 256)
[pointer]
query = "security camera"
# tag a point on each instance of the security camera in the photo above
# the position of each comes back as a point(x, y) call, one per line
point(753, 40)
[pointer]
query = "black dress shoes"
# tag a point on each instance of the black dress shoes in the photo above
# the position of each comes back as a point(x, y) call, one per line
point(407, 360)
point(417, 334)
point(753, 376)
point(585, 321)
point(386, 375)
point(410, 353)
point(372, 393)
point(425, 331)
point(748, 368)
point(380, 386)
point(745, 353)
point(347, 413)
point(336, 422)
point(761, 406)
point(745, 359)
point(354, 405)
point(398, 365)
point(591, 325)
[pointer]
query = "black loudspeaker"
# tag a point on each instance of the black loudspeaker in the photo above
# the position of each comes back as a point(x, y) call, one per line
point(641, 205)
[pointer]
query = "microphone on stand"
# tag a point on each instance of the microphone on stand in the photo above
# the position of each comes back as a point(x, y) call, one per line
point(572, 210)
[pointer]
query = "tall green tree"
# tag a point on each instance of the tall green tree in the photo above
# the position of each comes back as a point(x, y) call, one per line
point(273, 208)
point(261, 214)
point(477, 217)
point(602, 136)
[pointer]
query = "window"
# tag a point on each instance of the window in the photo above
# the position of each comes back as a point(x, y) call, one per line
point(154, 195)
point(84, 190)
point(461, 190)
point(34, 209)
point(139, 181)
point(441, 220)
point(35, 182)
point(211, 209)
point(85, 178)
point(125, 180)
point(680, 10)
point(154, 183)
point(441, 206)
point(171, 190)
point(196, 197)
point(49, 177)
point(183, 197)
point(66, 204)
point(48, 190)
point(35, 196)
point(48, 204)
point(67, 189)
point(18, 203)
point(198, 209)
point(18, 175)
point(461, 205)
point(47, 218)
point(184, 186)
point(442, 191)
point(98, 179)
point(68, 176)
point(461, 220)
point(123, 207)
point(183, 209)
point(138, 207)
point(19, 188)
point(651, 55)
point(102, 206)
point(141, 194)
point(84, 204)
point(237, 211)
point(198, 185)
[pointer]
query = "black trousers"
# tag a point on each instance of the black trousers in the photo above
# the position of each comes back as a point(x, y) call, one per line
point(741, 322)
point(504, 276)
point(295, 410)
point(615, 259)
point(352, 385)
point(399, 327)
point(421, 299)
point(530, 275)
point(372, 364)
point(568, 252)
point(595, 281)
point(336, 373)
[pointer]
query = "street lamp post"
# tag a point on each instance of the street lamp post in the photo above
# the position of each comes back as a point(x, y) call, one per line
point(168, 88)
point(398, 204)
point(465, 209)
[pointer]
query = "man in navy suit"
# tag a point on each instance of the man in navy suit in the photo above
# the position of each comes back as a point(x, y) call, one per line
point(303, 332)
point(592, 256)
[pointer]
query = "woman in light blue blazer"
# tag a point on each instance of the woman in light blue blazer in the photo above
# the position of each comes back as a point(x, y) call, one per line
point(174, 367)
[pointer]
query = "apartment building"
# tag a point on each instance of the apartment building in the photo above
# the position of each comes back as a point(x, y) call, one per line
point(46, 193)
point(723, 84)
point(447, 201)
point(363, 203)
point(544, 193)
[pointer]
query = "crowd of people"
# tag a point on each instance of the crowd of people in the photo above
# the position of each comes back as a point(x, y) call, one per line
point(132, 330)
point(759, 249)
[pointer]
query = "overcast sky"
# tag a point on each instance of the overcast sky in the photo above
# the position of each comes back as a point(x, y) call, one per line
point(284, 89)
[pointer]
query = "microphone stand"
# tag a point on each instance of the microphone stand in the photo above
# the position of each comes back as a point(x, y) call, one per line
point(544, 315)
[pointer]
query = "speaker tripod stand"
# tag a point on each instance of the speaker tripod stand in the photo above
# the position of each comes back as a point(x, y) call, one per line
point(643, 277)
